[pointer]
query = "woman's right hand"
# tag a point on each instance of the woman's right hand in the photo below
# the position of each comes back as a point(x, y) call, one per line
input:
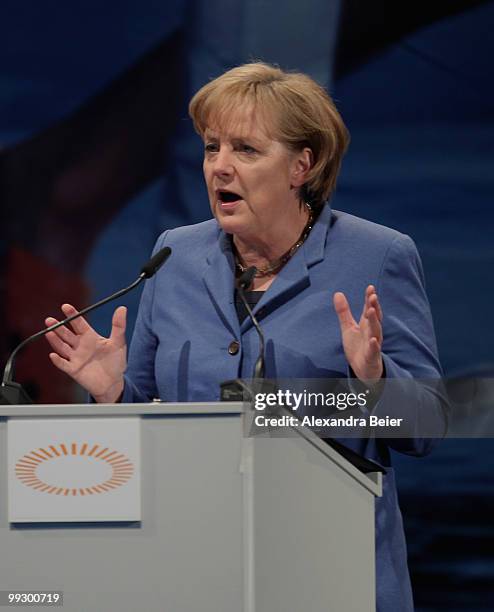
point(95, 362)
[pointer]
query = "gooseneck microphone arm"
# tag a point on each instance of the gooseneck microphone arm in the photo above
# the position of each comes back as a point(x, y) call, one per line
point(147, 271)
point(244, 281)
point(236, 389)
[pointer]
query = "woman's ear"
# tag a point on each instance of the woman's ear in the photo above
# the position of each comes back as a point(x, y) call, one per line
point(302, 163)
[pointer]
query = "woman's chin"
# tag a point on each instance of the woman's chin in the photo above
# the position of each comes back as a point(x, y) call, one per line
point(231, 223)
point(230, 226)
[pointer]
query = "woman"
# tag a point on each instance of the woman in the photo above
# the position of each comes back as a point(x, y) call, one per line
point(273, 144)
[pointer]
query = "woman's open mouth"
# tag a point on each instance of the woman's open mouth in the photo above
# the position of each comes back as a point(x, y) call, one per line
point(227, 199)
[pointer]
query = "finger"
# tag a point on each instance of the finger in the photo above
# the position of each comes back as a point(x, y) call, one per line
point(374, 329)
point(373, 352)
point(369, 290)
point(79, 325)
point(374, 303)
point(118, 324)
point(343, 310)
point(60, 363)
point(64, 333)
point(58, 345)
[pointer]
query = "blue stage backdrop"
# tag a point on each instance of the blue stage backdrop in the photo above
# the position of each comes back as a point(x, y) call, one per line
point(98, 157)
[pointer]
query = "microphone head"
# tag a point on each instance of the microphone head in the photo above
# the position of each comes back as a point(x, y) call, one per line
point(155, 263)
point(244, 281)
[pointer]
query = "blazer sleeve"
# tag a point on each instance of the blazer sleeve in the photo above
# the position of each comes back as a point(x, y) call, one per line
point(413, 389)
point(139, 379)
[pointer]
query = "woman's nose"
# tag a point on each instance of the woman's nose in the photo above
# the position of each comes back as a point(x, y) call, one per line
point(223, 162)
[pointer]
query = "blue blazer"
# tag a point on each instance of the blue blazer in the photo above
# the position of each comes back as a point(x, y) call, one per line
point(187, 320)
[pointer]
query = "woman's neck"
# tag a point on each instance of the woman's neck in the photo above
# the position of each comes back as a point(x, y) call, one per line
point(261, 251)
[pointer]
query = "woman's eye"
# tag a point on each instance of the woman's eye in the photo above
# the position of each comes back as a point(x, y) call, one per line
point(211, 147)
point(247, 149)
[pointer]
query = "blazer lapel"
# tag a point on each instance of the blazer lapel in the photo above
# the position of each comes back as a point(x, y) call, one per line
point(295, 275)
point(219, 278)
point(293, 278)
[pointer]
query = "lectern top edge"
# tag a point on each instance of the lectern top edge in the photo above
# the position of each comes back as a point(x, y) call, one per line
point(152, 409)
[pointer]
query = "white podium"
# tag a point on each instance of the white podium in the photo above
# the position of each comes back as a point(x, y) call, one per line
point(229, 523)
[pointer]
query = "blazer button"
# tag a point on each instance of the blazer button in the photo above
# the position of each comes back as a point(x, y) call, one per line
point(234, 347)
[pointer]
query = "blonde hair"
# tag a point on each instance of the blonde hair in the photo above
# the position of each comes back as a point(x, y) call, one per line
point(298, 113)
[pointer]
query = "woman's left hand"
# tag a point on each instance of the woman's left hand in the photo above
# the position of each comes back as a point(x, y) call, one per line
point(362, 341)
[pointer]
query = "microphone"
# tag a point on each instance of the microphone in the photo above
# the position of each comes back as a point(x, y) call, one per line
point(155, 263)
point(244, 281)
point(236, 390)
point(12, 392)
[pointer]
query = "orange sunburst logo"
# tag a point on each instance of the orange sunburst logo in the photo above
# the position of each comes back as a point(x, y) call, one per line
point(102, 468)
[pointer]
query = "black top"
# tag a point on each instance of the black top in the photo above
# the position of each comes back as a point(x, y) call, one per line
point(252, 298)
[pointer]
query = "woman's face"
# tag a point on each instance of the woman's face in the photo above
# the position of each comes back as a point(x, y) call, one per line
point(252, 180)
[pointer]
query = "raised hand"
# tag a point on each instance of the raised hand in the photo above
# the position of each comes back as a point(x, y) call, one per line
point(362, 341)
point(95, 362)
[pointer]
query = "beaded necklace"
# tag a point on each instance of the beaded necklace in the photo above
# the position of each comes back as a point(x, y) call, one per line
point(275, 266)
